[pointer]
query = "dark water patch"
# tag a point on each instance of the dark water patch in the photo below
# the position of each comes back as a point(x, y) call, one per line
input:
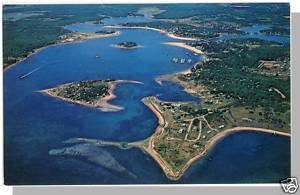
point(95, 155)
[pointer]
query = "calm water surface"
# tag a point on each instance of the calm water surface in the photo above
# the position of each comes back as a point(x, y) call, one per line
point(35, 123)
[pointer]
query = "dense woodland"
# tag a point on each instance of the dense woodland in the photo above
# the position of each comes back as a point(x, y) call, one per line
point(43, 24)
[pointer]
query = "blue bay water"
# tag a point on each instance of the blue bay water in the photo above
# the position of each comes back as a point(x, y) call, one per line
point(253, 32)
point(35, 123)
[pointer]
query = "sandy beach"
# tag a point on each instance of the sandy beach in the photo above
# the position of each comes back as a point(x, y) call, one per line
point(155, 29)
point(218, 137)
point(158, 131)
point(103, 104)
point(185, 46)
point(192, 89)
point(211, 143)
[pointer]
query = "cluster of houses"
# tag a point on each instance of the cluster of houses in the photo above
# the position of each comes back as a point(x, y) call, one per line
point(72, 37)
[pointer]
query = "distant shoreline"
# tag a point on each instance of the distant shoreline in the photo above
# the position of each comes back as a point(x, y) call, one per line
point(94, 36)
point(102, 103)
point(60, 42)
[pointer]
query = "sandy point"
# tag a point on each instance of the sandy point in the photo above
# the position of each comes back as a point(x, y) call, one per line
point(157, 30)
point(185, 46)
point(169, 172)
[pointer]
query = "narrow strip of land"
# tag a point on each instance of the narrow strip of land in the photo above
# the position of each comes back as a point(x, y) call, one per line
point(155, 29)
point(185, 46)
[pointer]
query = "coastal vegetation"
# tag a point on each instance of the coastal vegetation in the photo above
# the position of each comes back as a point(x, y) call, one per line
point(21, 39)
point(185, 133)
point(236, 74)
point(88, 92)
point(72, 37)
point(242, 84)
point(43, 25)
point(94, 93)
point(127, 45)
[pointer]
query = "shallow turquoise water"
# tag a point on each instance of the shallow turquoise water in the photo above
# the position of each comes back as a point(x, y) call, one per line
point(35, 123)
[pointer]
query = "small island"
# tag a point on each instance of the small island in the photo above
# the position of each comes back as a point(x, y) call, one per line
point(94, 93)
point(127, 45)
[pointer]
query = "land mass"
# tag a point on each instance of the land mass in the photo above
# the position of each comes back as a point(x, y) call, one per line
point(95, 93)
point(188, 130)
point(185, 46)
point(180, 138)
point(77, 36)
point(127, 45)
point(184, 135)
point(243, 85)
point(64, 39)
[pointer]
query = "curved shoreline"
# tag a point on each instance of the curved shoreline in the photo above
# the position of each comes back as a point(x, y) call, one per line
point(117, 33)
point(154, 29)
point(208, 146)
point(103, 103)
point(59, 42)
point(158, 131)
point(105, 106)
point(162, 123)
point(185, 46)
point(220, 136)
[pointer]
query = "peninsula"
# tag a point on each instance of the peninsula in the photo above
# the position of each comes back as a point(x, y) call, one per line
point(183, 135)
point(95, 93)
point(234, 68)
point(186, 131)
point(76, 36)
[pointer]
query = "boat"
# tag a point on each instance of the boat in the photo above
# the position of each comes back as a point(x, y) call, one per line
point(29, 73)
